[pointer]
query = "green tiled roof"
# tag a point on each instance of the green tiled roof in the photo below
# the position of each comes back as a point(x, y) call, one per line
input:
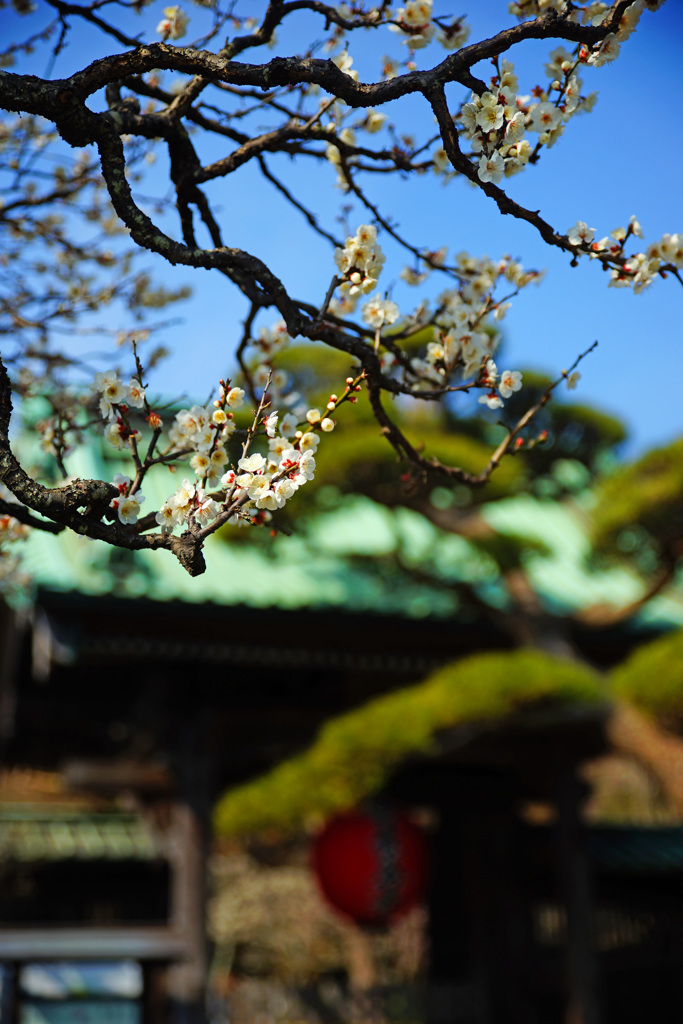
point(30, 835)
point(314, 568)
point(637, 849)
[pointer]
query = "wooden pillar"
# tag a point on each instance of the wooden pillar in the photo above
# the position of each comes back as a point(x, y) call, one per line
point(448, 957)
point(12, 632)
point(187, 853)
point(575, 889)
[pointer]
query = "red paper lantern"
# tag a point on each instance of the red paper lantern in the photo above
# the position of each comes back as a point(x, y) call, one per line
point(371, 865)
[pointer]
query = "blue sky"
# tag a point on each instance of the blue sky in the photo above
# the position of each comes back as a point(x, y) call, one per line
point(624, 158)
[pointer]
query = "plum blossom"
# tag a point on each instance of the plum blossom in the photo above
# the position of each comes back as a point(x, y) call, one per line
point(114, 433)
point(200, 463)
point(491, 168)
point(491, 114)
point(545, 117)
point(344, 61)
point(135, 393)
point(309, 441)
point(184, 494)
point(374, 121)
point(127, 505)
point(252, 463)
point(580, 234)
point(607, 51)
point(453, 36)
point(235, 397)
point(306, 468)
point(514, 129)
point(283, 489)
point(288, 424)
point(377, 311)
point(112, 390)
point(415, 24)
point(360, 261)
point(174, 23)
point(491, 399)
point(270, 424)
point(510, 380)
point(207, 509)
point(165, 517)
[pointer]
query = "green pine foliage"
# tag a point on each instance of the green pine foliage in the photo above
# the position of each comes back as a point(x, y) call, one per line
point(648, 495)
point(355, 752)
point(652, 677)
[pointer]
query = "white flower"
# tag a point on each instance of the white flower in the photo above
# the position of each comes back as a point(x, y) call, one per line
point(113, 392)
point(165, 517)
point(135, 393)
point(573, 380)
point(491, 399)
point(469, 114)
point(327, 425)
point(453, 36)
point(113, 434)
point(268, 500)
point(413, 277)
point(635, 227)
point(219, 457)
point(103, 380)
point(271, 424)
point(207, 509)
point(279, 379)
point(174, 23)
point(122, 483)
point(415, 23)
point(256, 486)
point(510, 380)
point(374, 120)
point(309, 441)
point(235, 397)
point(514, 129)
point(283, 489)
point(200, 463)
point(260, 375)
point(288, 424)
point(377, 311)
point(360, 261)
point(184, 494)
point(252, 463)
point(344, 62)
point(491, 372)
point(491, 168)
point(580, 234)
point(490, 116)
point(544, 117)
point(203, 439)
point(128, 507)
point(278, 445)
point(607, 51)
point(307, 465)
